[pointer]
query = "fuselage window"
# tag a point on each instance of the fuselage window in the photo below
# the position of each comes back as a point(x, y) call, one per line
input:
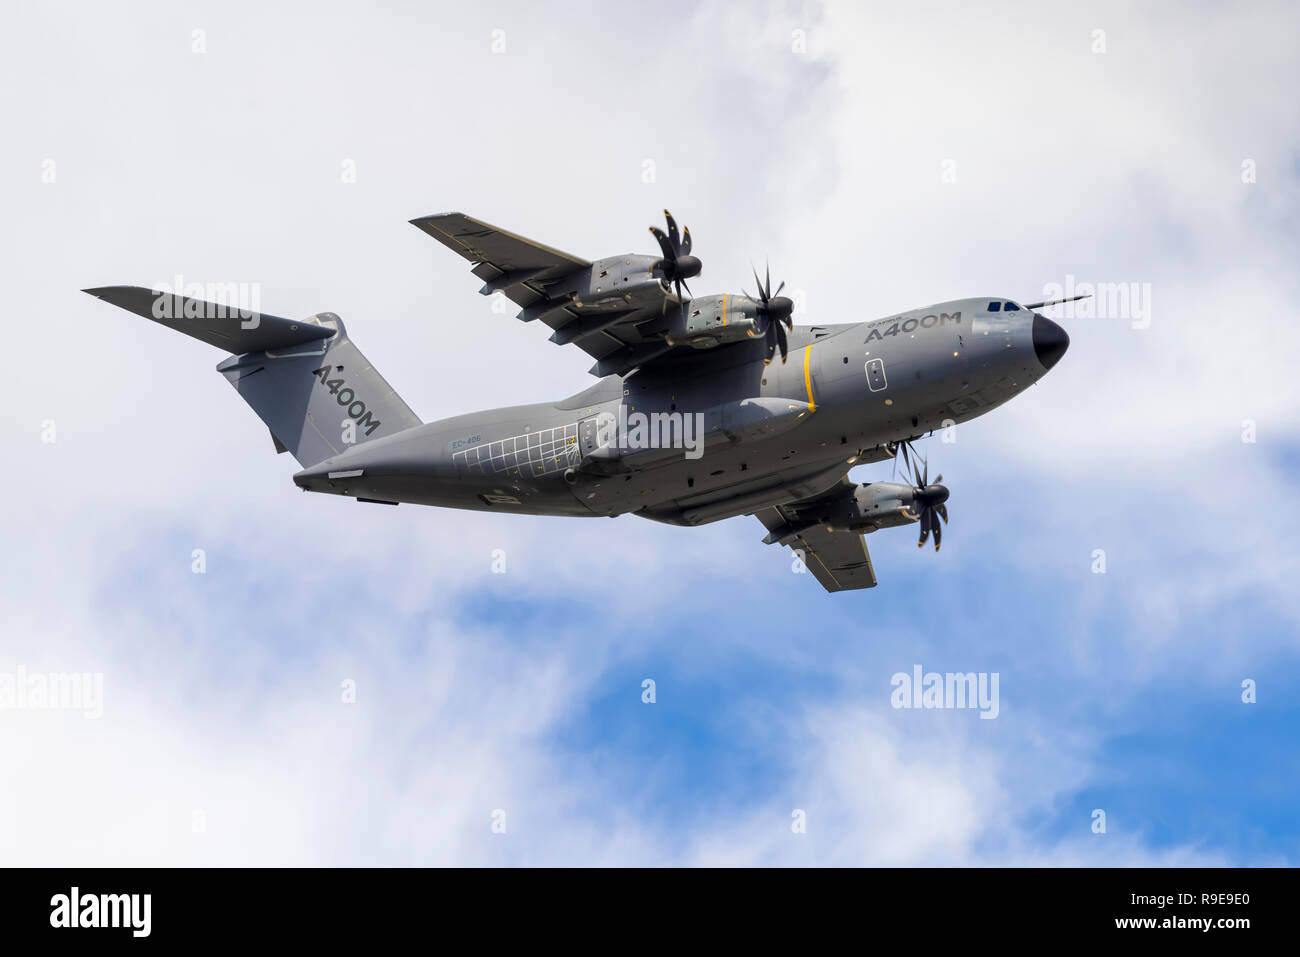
point(995, 306)
point(1012, 307)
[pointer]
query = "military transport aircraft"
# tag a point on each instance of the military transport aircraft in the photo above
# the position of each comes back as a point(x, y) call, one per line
point(706, 407)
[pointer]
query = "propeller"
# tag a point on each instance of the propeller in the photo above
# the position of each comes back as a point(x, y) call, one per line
point(929, 498)
point(678, 264)
point(773, 311)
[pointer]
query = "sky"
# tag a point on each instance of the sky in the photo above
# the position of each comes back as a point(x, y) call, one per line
point(298, 679)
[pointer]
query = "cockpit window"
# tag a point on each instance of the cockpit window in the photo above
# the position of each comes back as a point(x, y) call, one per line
point(1012, 307)
point(995, 306)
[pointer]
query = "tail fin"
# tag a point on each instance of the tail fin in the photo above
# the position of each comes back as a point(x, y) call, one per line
point(312, 387)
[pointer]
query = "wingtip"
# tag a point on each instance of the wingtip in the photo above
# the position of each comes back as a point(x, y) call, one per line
point(106, 292)
point(419, 221)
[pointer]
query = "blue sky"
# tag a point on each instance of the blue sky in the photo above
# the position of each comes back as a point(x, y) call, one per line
point(225, 738)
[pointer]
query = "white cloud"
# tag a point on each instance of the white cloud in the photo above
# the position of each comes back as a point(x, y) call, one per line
point(452, 724)
point(225, 166)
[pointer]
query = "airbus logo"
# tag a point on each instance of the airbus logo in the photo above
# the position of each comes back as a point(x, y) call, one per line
point(910, 325)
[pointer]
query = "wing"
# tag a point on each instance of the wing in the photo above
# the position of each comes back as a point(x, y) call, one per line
point(839, 560)
point(519, 267)
point(612, 309)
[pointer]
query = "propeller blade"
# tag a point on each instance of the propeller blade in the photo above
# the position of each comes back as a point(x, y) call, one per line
point(781, 341)
point(673, 236)
point(942, 510)
point(771, 343)
point(906, 462)
point(925, 474)
point(767, 290)
point(670, 256)
point(686, 242)
point(938, 535)
point(779, 288)
point(938, 479)
point(759, 283)
point(925, 526)
point(688, 290)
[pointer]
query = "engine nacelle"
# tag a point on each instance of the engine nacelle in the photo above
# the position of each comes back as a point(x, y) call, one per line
point(876, 505)
point(863, 508)
point(619, 282)
point(710, 321)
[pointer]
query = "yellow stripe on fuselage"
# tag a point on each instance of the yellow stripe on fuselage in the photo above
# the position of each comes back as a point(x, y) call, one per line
point(807, 378)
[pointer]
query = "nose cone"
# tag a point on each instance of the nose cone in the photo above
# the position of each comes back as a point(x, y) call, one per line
point(1050, 341)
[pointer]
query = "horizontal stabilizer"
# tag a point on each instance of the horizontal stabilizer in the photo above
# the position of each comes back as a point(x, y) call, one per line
point(227, 327)
point(304, 378)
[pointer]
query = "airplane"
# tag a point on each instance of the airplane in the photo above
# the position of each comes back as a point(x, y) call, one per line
point(692, 418)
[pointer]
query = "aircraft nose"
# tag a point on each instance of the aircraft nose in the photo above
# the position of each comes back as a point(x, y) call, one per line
point(1050, 341)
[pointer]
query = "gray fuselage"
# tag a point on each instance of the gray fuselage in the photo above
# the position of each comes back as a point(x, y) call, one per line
point(846, 393)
